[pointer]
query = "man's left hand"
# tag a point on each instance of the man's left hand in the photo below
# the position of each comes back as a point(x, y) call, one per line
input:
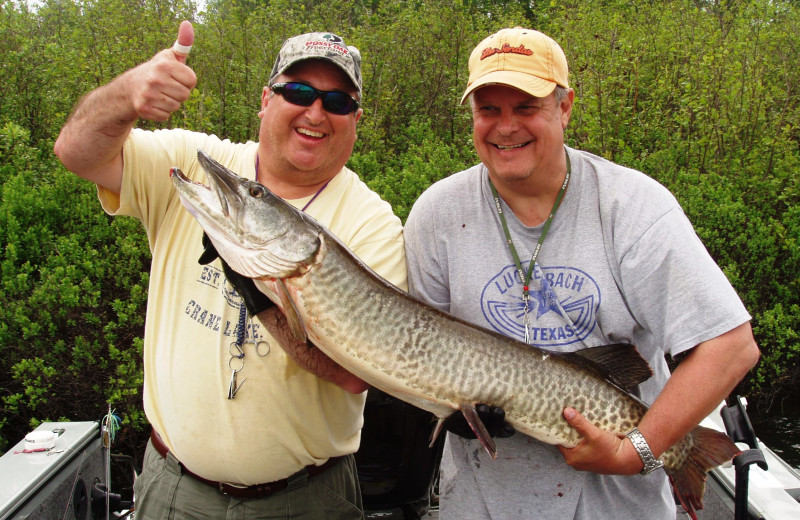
point(599, 451)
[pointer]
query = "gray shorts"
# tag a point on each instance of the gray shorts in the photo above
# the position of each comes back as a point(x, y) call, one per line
point(163, 493)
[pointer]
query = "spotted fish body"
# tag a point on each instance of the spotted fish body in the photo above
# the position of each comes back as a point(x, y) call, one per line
point(415, 352)
point(436, 362)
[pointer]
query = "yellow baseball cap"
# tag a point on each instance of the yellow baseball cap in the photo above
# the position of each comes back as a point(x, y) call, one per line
point(521, 58)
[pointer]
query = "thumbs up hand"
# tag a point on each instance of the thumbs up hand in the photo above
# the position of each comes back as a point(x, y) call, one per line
point(158, 87)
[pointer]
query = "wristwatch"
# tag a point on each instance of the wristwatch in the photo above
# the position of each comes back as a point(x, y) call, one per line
point(643, 449)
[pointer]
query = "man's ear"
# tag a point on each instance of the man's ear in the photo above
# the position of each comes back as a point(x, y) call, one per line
point(265, 96)
point(566, 108)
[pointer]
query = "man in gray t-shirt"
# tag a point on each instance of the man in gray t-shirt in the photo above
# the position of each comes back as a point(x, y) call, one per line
point(620, 264)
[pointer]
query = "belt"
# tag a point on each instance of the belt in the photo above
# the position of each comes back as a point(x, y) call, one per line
point(241, 492)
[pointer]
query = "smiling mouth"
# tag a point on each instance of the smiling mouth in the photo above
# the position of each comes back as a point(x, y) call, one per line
point(310, 133)
point(509, 147)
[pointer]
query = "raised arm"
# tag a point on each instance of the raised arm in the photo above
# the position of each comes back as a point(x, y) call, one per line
point(90, 143)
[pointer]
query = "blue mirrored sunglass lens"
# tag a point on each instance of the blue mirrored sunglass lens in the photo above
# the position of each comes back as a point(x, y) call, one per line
point(304, 95)
point(299, 94)
point(340, 104)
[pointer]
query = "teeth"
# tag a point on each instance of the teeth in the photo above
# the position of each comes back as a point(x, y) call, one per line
point(510, 147)
point(306, 131)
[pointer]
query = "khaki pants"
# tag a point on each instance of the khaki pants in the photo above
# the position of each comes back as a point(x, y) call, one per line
point(163, 493)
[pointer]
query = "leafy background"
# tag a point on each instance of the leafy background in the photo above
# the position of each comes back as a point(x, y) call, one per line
point(701, 95)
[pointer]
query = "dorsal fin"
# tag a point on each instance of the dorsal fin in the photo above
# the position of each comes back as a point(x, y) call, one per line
point(620, 363)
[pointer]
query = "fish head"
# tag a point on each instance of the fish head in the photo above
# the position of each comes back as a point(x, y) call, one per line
point(258, 234)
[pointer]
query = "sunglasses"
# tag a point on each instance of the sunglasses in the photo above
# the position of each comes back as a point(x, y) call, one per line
point(301, 94)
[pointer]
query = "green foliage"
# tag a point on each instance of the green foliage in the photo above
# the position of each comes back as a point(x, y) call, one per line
point(703, 96)
point(778, 330)
point(70, 343)
point(428, 158)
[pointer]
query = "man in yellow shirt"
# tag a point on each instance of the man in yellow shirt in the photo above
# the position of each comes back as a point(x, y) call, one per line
point(271, 432)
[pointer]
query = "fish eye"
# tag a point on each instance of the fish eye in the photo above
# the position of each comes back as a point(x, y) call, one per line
point(257, 191)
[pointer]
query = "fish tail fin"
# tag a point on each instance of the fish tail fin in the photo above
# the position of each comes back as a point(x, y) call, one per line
point(709, 449)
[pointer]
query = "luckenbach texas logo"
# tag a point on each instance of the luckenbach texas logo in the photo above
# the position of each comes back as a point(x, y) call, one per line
point(562, 308)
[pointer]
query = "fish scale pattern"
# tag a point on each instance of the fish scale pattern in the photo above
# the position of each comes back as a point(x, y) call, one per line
point(438, 362)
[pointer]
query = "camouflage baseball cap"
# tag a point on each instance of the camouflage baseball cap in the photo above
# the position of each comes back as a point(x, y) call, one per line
point(324, 46)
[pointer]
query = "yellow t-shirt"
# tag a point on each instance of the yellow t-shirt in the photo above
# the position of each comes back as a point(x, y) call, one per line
point(283, 417)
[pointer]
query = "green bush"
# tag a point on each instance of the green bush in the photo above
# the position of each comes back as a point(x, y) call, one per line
point(72, 299)
point(403, 177)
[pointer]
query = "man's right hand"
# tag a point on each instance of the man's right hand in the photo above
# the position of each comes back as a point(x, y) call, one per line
point(162, 84)
point(90, 144)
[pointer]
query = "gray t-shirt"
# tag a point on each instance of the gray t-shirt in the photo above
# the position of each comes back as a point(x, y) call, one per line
point(621, 263)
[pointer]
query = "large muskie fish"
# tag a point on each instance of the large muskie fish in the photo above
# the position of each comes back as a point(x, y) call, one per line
point(417, 353)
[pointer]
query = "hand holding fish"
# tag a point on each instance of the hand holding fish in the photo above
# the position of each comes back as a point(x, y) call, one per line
point(599, 451)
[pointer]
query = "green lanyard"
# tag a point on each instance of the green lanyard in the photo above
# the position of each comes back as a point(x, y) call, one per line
point(525, 278)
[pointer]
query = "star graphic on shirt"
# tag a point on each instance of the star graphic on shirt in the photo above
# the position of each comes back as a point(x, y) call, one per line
point(546, 299)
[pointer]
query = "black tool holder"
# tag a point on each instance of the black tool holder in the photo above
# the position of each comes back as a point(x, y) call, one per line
point(739, 428)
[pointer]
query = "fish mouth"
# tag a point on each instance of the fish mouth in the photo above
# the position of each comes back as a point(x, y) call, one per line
point(203, 202)
point(255, 232)
point(224, 184)
point(220, 206)
point(198, 192)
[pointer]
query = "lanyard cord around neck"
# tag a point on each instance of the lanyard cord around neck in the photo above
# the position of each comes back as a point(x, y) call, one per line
point(312, 198)
point(525, 278)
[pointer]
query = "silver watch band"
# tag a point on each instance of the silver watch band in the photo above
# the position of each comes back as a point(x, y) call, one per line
point(643, 449)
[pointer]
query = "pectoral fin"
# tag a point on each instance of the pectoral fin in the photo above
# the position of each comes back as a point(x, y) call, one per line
point(437, 431)
point(471, 415)
point(290, 311)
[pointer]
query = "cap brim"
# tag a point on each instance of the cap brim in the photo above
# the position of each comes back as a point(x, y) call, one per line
point(532, 85)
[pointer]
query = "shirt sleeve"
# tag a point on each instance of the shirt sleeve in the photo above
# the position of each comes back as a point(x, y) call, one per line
point(678, 290)
point(427, 280)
